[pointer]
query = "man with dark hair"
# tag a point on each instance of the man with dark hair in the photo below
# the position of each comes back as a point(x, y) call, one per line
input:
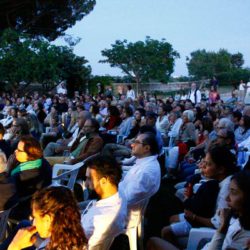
point(104, 218)
point(143, 179)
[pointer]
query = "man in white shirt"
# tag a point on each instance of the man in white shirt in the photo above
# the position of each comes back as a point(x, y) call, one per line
point(104, 219)
point(195, 94)
point(143, 179)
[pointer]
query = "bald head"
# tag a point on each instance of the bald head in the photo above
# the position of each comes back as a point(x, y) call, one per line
point(83, 116)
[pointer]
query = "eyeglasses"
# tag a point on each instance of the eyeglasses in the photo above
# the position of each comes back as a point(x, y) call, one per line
point(138, 142)
point(220, 127)
point(19, 150)
point(87, 126)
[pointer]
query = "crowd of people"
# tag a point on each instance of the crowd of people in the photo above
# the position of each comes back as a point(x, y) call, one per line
point(200, 143)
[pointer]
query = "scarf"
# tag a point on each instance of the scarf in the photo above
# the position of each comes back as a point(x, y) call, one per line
point(28, 165)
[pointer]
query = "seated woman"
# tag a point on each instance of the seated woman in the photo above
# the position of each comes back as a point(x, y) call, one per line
point(29, 172)
point(243, 131)
point(57, 220)
point(187, 139)
point(234, 231)
point(200, 207)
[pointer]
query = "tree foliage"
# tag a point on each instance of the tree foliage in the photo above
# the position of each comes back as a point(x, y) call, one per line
point(225, 66)
point(47, 18)
point(23, 59)
point(142, 61)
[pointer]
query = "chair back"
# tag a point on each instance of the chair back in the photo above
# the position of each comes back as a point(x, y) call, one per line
point(3, 223)
point(68, 173)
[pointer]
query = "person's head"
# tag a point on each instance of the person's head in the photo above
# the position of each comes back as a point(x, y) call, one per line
point(193, 86)
point(91, 126)
point(113, 110)
point(188, 105)
point(21, 126)
point(225, 138)
point(219, 163)
point(94, 109)
point(188, 116)
point(13, 112)
point(129, 87)
point(145, 145)
point(237, 116)
point(245, 122)
point(103, 175)
point(207, 124)
point(83, 116)
point(56, 216)
point(150, 107)
point(225, 123)
point(151, 118)
point(238, 198)
point(28, 149)
point(139, 113)
point(127, 112)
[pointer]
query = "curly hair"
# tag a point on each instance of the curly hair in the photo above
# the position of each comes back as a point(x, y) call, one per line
point(66, 230)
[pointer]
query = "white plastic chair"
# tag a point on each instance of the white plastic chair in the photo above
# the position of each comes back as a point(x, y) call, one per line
point(3, 223)
point(197, 234)
point(136, 231)
point(67, 173)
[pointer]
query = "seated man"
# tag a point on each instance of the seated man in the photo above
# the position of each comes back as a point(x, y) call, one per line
point(143, 179)
point(87, 143)
point(104, 218)
point(57, 148)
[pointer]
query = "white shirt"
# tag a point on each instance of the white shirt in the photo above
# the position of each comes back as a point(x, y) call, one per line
point(104, 218)
point(103, 111)
point(235, 238)
point(245, 143)
point(161, 124)
point(174, 132)
point(130, 94)
point(192, 96)
point(140, 183)
point(74, 136)
point(221, 200)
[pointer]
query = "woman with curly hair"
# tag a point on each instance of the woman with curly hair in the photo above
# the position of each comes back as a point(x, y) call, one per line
point(57, 219)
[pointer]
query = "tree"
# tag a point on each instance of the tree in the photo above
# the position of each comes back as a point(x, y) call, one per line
point(44, 18)
point(225, 66)
point(142, 61)
point(27, 60)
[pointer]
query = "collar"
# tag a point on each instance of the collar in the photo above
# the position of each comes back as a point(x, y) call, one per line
point(222, 183)
point(108, 201)
point(148, 158)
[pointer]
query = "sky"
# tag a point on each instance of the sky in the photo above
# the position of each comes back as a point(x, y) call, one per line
point(188, 25)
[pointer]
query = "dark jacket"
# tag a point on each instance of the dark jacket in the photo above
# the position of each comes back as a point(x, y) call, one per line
point(27, 183)
point(203, 202)
point(8, 196)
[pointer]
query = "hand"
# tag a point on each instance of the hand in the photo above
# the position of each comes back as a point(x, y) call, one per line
point(189, 216)
point(25, 237)
point(225, 216)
